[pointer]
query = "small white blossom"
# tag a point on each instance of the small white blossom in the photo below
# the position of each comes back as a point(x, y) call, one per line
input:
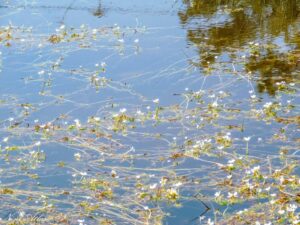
point(153, 186)
point(77, 156)
point(156, 100)
point(123, 110)
point(247, 139)
point(217, 194)
point(42, 72)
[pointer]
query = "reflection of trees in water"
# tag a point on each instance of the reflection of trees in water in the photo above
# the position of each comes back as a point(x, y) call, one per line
point(99, 12)
point(243, 21)
point(273, 68)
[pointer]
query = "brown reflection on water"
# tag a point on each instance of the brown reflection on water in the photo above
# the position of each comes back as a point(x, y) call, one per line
point(99, 11)
point(217, 26)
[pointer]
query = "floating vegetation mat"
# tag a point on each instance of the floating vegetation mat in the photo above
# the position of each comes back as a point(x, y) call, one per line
point(98, 125)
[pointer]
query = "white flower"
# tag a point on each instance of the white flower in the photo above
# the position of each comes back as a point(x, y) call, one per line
point(94, 31)
point(281, 212)
point(217, 194)
point(136, 40)
point(41, 72)
point(38, 143)
point(156, 100)
point(121, 40)
point(21, 214)
point(80, 221)
point(5, 139)
point(231, 161)
point(229, 176)
point(255, 169)
point(230, 195)
point(246, 139)
point(153, 186)
point(178, 184)
point(123, 110)
point(267, 104)
point(113, 173)
point(139, 112)
point(214, 104)
point(77, 123)
point(77, 156)
point(103, 64)
point(210, 222)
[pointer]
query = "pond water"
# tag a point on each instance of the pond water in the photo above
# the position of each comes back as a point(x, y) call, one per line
point(149, 112)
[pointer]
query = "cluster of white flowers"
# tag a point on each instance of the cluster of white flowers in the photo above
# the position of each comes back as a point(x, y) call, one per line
point(202, 143)
point(291, 208)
